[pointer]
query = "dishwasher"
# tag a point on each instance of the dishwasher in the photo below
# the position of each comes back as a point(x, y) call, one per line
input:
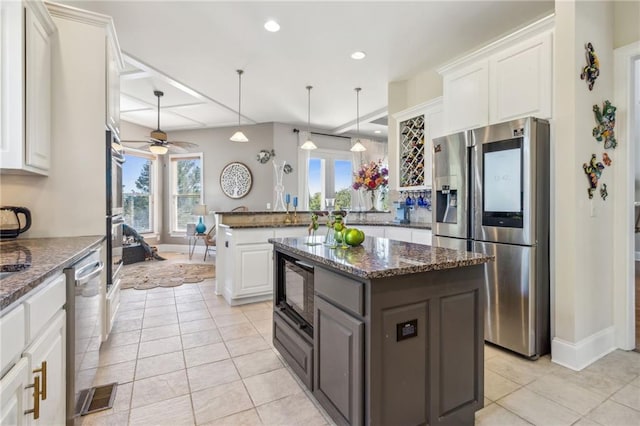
point(84, 326)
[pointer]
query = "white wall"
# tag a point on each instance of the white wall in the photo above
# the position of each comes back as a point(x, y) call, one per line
point(72, 200)
point(582, 228)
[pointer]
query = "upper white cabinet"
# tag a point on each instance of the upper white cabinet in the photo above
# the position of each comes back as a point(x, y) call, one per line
point(508, 79)
point(466, 97)
point(416, 128)
point(114, 67)
point(25, 87)
point(520, 80)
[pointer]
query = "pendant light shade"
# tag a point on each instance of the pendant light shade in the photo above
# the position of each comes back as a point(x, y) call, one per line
point(358, 147)
point(309, 145)
point(238, 136)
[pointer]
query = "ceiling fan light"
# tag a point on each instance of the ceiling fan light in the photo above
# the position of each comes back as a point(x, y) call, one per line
point(239, 137)
point(309, 145)
point(158, 149)
point(358, 147)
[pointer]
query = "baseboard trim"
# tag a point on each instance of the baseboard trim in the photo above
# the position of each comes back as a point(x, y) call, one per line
point(180, 248)
point(577, 356)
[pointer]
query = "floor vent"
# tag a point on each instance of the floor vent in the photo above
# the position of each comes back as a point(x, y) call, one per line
point(96, 399)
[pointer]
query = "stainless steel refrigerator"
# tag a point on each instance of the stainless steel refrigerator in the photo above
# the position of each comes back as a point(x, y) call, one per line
point(491, 189)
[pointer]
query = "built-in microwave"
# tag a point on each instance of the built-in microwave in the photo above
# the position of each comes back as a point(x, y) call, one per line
point(294, 292)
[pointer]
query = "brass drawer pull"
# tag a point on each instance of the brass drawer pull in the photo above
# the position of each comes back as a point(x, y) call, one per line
point(36, 398)
point(43, 370)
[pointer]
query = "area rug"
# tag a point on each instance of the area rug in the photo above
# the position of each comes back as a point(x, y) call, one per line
point(151, 273)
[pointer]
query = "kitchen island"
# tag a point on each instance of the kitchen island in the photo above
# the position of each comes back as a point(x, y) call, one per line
point(244, 256)
point(388, 332)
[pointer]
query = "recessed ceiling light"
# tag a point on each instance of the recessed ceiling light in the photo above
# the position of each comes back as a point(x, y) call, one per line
point(358, 55)
point(272, 26)
point(377, 132)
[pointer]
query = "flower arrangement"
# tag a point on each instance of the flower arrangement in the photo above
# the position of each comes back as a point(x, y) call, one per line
point(371, 176)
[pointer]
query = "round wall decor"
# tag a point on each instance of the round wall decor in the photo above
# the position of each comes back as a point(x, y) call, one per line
point(235, 180)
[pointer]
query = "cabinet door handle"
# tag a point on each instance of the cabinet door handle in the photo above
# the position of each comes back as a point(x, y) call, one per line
point(36, 398)
point(43, 370)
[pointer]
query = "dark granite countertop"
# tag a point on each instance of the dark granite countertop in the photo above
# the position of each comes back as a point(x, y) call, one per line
point(426, 226)
point(46, 256)
point(381, 257)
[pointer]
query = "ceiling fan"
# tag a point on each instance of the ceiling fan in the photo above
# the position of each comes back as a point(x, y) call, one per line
point(158, 143)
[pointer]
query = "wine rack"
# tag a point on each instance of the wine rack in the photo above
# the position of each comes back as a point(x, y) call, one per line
point(412, 152)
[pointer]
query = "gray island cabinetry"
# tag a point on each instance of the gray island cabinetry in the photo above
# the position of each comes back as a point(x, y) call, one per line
point(387, 333)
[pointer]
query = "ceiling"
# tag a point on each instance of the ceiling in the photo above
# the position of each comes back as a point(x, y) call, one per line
point(192, 49)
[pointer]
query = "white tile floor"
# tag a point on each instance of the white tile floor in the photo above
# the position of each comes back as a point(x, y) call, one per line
point(183, 356)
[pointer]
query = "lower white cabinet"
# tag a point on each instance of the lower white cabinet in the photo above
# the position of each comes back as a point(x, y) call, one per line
point(372, 231)
point(46, 357)
point(244, 262)
point(33, 390)
point(15, 397)
point(398, 233)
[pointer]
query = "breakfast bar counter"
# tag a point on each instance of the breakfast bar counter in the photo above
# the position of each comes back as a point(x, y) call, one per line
point(388, 332)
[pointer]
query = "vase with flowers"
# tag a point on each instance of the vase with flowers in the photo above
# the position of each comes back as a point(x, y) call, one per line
point(370, 178)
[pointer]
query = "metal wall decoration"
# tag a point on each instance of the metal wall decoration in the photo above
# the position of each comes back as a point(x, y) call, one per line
point(606, 120)
point(265, 155)
point(593, 171)
point(603, 191)
point(235, 180)
point(591, 71)
point(606, 159)
point(287, 169)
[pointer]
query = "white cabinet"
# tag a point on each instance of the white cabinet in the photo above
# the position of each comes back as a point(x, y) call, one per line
point(15, 397)
point(416, 128)
point(508, 79)
point(46, 357)
point(25, 87)
point(466, 97)
point(520, 80)
point(33, 390)
point(371, 231)
point(114, 67)
point(246, 258)
point(421, 236)
point(398, 233)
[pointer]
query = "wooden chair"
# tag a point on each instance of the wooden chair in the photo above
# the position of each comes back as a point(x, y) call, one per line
point(210, 241)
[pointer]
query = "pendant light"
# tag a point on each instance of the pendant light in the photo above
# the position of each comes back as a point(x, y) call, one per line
point(309, 145)
point(358, 147)
point(239, 136)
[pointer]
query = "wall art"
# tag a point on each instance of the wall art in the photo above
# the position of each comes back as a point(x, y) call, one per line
point(265, 155)
point(603, 191)
point(606, 159)
point(606, 120)
point(593, 171)
point(235, 180)
point(287, 169)
point(591, 71)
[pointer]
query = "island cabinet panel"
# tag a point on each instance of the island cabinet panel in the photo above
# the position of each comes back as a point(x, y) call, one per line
point(459, 366)
point(403, 386)
point(342, 291)
point(339, 354)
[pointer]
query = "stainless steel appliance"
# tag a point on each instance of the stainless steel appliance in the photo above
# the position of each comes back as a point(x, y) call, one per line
point(114, 161)
point(10, 224)
point(492, 196)
point(294, 292)
point(84, 326)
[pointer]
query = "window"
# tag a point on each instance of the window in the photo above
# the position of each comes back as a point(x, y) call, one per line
point(139, 173)
point(186, 189)
point(330, 175)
